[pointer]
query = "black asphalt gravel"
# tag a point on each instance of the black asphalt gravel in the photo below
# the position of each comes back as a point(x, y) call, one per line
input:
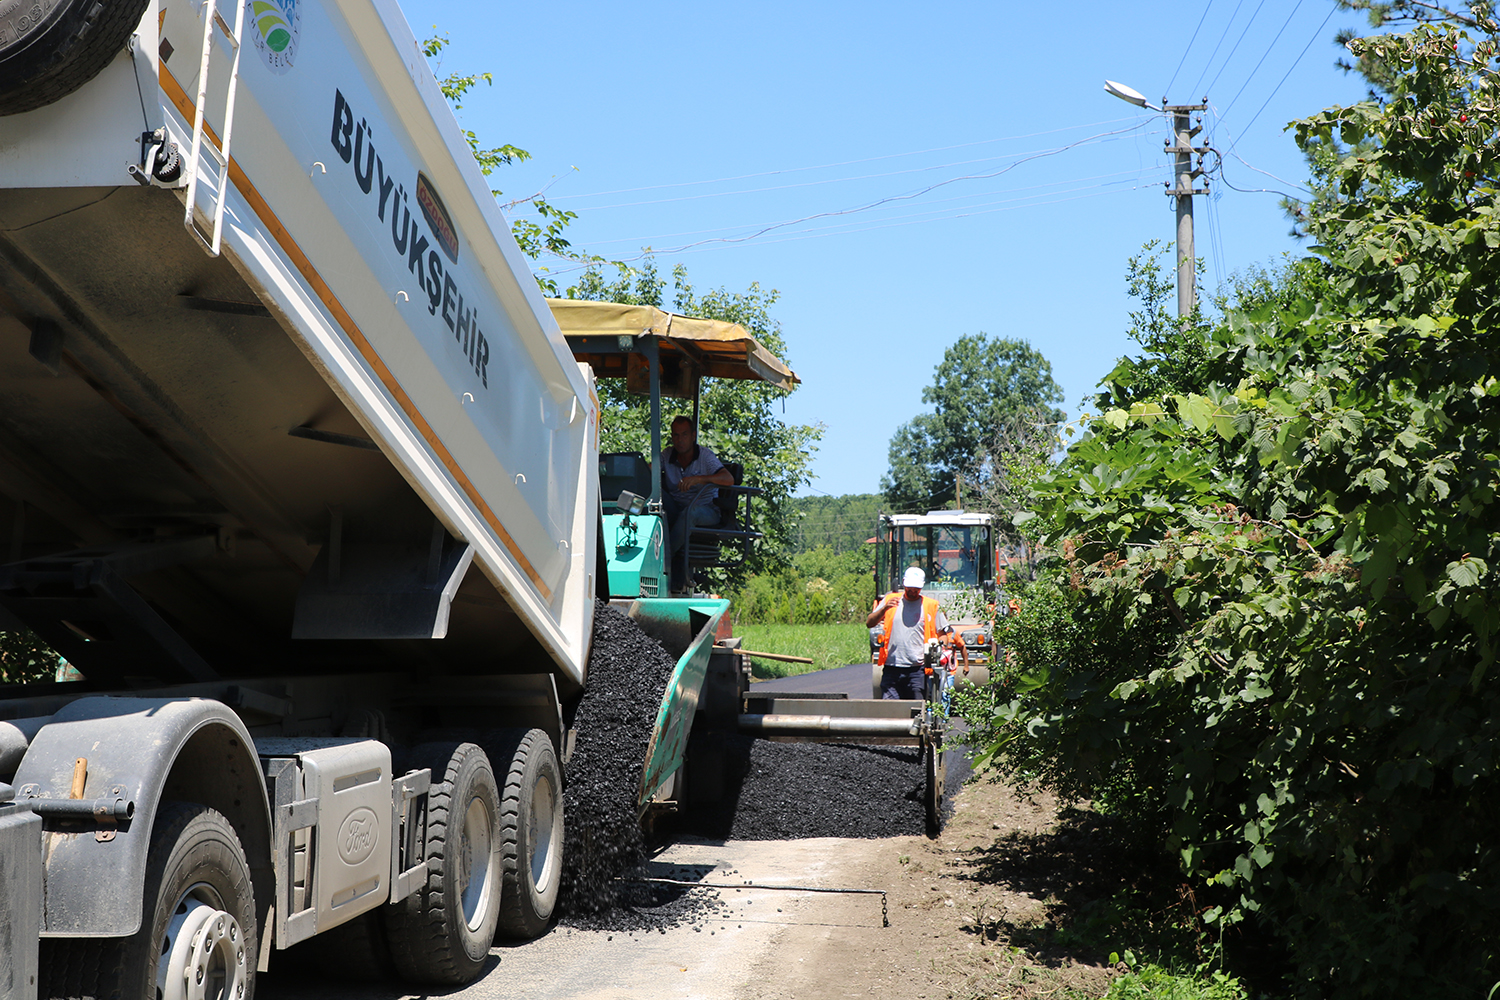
point(783, 791)
point(628, 671)
point(773, 791)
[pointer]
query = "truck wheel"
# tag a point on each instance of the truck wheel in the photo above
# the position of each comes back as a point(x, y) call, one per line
point(531, 836)
point(47, 57)
point(198, 934)
point(441, 933)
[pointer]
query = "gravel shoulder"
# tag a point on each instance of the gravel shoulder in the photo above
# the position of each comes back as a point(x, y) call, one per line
point(957, 904)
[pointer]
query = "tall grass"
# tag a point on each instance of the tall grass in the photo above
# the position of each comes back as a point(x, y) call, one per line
point(827, 645)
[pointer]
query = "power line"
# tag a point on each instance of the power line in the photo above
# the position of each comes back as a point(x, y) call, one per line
point(1225, 34)
point(1264, 55)
point(1231, 151)
point(706, 245)
point(846, 163)
point(1229, 184)
point(1216, 239)
point(1229, 58)
point(829, 180)
point(1136, 173)
point(909, 195)
point(1287, 74)
point(1206, 8)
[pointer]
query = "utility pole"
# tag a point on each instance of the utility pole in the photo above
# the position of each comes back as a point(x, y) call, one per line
point(1183, 174)
point(1181, 146)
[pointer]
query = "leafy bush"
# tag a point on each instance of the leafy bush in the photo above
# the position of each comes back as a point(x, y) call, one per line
point(25, 658)
point(1152, 982)
point(822, 588)
point(1271, 645)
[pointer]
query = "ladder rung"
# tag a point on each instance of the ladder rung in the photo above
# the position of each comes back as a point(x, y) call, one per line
point(213, 212)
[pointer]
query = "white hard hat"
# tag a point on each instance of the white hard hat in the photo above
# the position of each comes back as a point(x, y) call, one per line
point(914, 578)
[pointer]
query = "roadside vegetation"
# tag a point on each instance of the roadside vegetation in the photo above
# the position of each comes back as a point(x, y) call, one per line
point(1267, 645)
point(828, 646)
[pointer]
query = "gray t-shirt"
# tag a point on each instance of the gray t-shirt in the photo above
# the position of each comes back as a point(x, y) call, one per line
point(705, 464)
point(907, 640)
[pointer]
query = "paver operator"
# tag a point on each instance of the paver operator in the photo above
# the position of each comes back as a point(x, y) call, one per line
point(906, 620)
point(693, 475)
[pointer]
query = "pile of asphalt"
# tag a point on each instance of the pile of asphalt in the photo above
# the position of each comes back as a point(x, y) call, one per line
point(785, 791)
point(642, 907)
point(772, 791)
point(628, 672)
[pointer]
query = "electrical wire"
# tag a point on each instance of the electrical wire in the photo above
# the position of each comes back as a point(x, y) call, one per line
point(1229, 58)
point(1231, 151)
point(838, 231)
point(830, 180)
point(1218, 45)
point(705, 245)
point(1216, 241)
point(918, 193)
point(785, 187)
point(846, 163)
point(1206, 8)
point(1285, 75)
point(1232, 186)
point(1134, 173)
point(1263, 56)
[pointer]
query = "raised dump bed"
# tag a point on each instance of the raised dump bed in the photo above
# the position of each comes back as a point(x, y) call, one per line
point(334, 406)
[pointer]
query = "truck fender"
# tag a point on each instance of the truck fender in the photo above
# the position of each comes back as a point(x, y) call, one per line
point(144, 751)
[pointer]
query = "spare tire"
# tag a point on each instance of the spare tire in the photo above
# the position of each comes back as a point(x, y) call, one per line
point(50, 48)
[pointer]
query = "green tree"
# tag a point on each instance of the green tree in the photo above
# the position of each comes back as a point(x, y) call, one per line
point(1271, 646)
point(978, 387)
point(844, 523)
point(737, 418)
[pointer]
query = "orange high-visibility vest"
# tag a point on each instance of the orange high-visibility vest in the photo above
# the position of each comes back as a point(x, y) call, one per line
point(929, 624)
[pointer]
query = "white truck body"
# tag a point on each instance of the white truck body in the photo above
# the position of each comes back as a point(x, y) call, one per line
point(294, 480)
point(453, 367)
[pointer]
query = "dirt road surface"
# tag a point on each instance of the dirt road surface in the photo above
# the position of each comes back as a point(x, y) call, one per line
point(957, 905)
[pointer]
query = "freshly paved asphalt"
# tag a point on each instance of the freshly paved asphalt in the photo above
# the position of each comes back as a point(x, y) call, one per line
point(856, 681)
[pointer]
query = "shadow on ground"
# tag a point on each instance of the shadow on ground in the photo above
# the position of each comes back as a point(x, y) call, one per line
point(1098, 895)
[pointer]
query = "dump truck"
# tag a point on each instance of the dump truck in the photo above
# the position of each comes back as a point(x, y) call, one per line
point(300, 476)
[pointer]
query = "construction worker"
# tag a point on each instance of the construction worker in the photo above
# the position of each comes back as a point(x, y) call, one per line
point(906, 621)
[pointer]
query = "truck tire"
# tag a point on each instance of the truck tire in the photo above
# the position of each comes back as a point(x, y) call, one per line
point(198, 933)
point(51, 55)
point(441, 933)
point(531, 836)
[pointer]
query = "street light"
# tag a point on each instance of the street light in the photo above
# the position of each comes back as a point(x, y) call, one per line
point(1182, 147)
point(1125, 93)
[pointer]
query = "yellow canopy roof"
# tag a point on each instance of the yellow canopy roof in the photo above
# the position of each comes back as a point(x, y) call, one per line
point(705, 346)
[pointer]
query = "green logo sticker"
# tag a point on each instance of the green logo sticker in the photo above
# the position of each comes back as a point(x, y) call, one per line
point(274, 26)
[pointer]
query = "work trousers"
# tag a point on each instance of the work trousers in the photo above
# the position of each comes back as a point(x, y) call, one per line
point(679, 520)
point(903, 682)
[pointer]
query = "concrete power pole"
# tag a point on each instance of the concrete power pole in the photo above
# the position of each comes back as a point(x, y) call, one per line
point(1181, 146)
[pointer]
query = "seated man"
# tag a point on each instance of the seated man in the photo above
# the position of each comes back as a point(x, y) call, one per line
point(693, 475)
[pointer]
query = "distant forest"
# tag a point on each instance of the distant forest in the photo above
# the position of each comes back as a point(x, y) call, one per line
point(842, 523)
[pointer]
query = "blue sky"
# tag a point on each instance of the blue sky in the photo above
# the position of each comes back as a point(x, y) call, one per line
point(1008, 189)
